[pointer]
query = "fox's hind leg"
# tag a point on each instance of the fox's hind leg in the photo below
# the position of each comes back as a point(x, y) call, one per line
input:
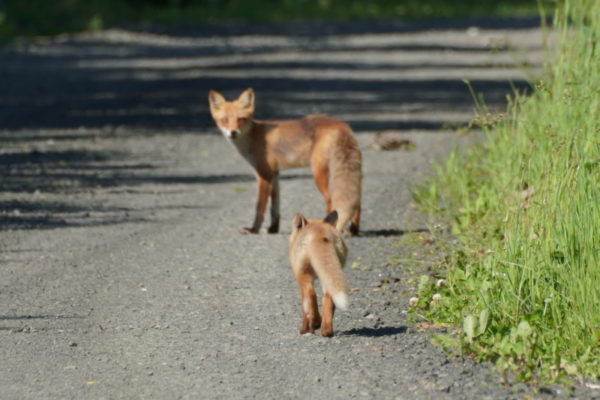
point(328, 311)
point(311, 319)
point(355, 223)
point(320, 169)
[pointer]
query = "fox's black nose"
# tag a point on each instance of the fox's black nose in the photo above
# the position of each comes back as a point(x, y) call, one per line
point(234, 133)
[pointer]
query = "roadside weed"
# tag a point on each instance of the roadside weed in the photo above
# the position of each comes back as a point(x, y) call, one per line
point(525, 282)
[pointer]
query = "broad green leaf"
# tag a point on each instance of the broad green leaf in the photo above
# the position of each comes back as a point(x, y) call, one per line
point(524, 329)
point(469, 325)
point(570, 369)
point(423, 284)
point(484, 317)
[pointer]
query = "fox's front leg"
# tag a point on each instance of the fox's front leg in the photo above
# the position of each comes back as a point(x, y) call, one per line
point(274, 228)
point(262, 198)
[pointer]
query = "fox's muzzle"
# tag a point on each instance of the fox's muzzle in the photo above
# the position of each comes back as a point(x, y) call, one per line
point(230, 133)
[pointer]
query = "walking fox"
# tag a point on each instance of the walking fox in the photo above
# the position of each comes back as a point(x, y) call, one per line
point(324, 143)
point(317, 250)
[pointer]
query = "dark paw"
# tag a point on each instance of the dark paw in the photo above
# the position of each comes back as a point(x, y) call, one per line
point(353, 230)
point(327, 332)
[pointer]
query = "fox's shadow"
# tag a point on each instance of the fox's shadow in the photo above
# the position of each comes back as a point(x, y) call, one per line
point(369, 233)
point(388, 232)
point(28, 317)
point(376, 332)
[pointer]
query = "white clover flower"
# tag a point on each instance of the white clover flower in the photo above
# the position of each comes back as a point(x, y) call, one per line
point(440, 283)
point(413, 301)
point(436, 298)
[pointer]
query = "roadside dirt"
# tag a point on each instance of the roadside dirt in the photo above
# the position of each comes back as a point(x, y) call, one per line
point(123, 273)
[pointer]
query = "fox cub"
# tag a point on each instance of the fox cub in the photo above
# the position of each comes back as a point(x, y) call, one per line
point(317, 250)
point(324, 143)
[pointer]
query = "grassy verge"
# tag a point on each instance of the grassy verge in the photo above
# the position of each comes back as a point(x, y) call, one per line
point(525, 283)
point(35, 17)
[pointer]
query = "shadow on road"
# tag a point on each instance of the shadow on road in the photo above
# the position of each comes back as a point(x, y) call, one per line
point(79, 172)
point(23, 318)
point(27, 317)
point(377, 76)
point(375, 332)
point(388, 232)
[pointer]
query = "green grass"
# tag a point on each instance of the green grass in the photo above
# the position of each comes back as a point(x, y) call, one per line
point(35, 17)
point(525, 283)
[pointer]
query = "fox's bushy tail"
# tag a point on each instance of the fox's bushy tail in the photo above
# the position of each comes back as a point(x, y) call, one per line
point(345, 178)
point(328, 268)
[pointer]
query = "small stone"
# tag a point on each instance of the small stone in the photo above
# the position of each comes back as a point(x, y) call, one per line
point(473, 31)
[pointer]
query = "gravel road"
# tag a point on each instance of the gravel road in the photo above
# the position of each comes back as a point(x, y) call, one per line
point(123, 273)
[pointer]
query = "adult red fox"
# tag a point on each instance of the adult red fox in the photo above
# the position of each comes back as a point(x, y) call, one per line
point(324, 143)
point(317, 250)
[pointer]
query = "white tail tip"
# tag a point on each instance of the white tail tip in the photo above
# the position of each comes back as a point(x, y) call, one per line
point(341, 300)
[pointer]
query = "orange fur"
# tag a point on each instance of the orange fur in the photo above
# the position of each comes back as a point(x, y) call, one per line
point(324, 143)
point(317, 250)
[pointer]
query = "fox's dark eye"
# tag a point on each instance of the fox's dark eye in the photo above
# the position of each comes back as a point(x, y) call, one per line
point(224, 121)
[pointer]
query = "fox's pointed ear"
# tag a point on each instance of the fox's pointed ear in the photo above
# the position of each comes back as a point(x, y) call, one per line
point(332, 218)
point(246, 99)
point(216, 99)
point(299, 222)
